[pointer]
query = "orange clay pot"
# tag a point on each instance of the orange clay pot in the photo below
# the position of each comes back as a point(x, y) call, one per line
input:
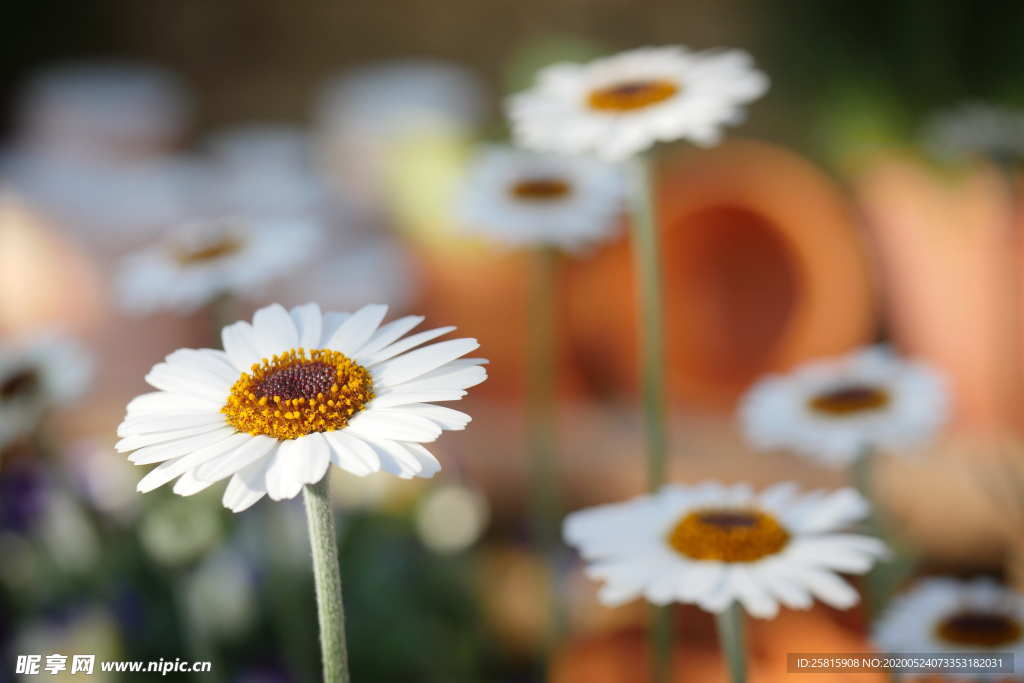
point(763, 268)
point(623, 655)
point(484, 292)
point(45, 281)
point(950, 261)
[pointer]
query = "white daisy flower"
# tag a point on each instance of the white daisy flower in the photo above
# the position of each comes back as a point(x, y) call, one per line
point(266, 170)
point(522, 198)
point(948, 615)
point(202, 261)
point(713, 545)
point(976, 129)
point(293, 392)
point(35, 376)
point(834, 410)
point(617, 106)
point(103, 111)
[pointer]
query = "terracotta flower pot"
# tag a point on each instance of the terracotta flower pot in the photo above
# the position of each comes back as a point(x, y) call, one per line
point(763, 268)
point(950, 260)
point(623, 655)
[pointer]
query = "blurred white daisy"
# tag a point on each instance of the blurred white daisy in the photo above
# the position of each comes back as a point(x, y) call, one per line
point(103, 111)
point(293, 392)
point(266, 170)
point(713, 545)
point(834, 410)
point(523, 198)
point(976, 129)
point(617, 106)
point(201, 261)
point(368, 120)
point(950, 615)
point(37, 375)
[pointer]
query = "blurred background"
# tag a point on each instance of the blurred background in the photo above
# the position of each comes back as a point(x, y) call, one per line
point(831, 219)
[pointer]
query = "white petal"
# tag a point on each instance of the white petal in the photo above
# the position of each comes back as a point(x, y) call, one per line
point(309, 323)
point(314, 466)
point(248, 486)
point(828, 587)
point(165, 403)
point(174, 379)
point(147, 424)
point(421, 361)
point(275, 331)
point(430, 465)
point(828, 512)
point(405, 344)
point(394, 424)
point(332, 321)
point(391, 399)
point(239, 340)
point(443, 417)
point(357, 330)
point(173, 468)
point(753, 597)
point(285, 473)
point(229, 463)
point(461, 378)
point(388, 334)
point(205, 360)
point(395, 459)
point(352, 454)
point(130, 443)
point(188, 485)
point(173, 449)
point(788, 592)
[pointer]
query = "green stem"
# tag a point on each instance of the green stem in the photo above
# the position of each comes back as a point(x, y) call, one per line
point(327, 576)
point(541, 425)
point(647, 271)
point(875, 581)
point(730, 625)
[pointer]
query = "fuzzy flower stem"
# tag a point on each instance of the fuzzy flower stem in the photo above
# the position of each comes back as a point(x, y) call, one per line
point(647, 271)
point(731, 636)
point(327, 576)
point(541, 428)
point(876, 583)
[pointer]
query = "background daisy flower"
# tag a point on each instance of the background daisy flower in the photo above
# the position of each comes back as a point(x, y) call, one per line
point(833, 410)
point(521, 198)
point(293, 392)
point(35, 376)
point(202, 261)
point(976, 129)
point(949, 615)
point(617, 106)
point(713, 545)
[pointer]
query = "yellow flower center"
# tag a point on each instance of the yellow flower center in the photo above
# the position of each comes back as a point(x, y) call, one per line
point(540, 189)
point(298, 392)
point(728, 535)
point(849, 399)
point(211, 251)
point(631, 95)
point(978, 629)
point(24, 382)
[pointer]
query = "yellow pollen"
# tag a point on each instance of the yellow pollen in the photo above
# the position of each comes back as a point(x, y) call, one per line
point(979, 629)
point(727, 535)
point(850, 399)
point(540, 189)
point(283, 397)
point(225, 246)
point(631, 95)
